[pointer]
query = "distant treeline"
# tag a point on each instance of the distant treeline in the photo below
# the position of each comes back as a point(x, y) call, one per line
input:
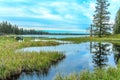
point(7, 28)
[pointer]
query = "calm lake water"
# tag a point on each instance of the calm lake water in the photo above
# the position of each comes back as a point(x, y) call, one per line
point(89, 55)
point(53, 36)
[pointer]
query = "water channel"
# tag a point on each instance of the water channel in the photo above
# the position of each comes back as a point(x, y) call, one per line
point(79, 57)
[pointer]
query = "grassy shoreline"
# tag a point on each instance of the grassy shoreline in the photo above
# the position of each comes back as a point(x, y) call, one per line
point(13, 63)
point(98, 74)
point(109, 38)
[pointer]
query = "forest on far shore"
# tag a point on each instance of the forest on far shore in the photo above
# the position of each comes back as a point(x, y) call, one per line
point(8, 28)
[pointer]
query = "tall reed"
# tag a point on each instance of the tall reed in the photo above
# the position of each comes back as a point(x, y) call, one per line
point(13, 63)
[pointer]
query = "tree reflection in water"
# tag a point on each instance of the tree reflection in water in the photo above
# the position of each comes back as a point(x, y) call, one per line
point(116, 49)
point(99, 51)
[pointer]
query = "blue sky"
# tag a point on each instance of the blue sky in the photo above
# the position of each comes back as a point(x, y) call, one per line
point(53, 15)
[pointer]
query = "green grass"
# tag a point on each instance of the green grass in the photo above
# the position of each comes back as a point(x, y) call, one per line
point(13, 63)
point(98, 74)
point(109, 38)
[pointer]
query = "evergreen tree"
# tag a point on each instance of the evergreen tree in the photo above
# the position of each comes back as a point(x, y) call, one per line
point(101, 18)
point(117, 23)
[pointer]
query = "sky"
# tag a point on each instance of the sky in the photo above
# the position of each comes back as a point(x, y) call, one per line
point(69, 16)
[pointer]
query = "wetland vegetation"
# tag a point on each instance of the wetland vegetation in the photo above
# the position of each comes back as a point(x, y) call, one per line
point(13, 63)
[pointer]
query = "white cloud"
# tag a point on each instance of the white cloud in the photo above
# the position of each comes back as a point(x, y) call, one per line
point(59, 3)
point(115, 1)
point(69, 14)
point(113, 8)
point(45, 13)
point(8, 11)
point(57, 29)
point(89, 9)
point(19, 12)
point(67, 11)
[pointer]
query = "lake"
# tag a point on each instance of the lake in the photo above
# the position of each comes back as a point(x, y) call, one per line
point(79, 57)
point(52, 36)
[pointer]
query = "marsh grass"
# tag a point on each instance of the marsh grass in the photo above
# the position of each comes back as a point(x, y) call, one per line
point(109, 38)
point(13, 63)
point(38, 43)
point(98, 74)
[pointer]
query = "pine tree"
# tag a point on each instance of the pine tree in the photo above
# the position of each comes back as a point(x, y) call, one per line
point(117, 23)
point(101, 18)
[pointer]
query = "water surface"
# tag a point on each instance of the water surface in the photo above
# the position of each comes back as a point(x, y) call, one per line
point(53, 36)
point(89, 55)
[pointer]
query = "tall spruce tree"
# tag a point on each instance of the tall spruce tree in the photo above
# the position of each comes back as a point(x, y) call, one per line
point(117, 23)
point(101, 18)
